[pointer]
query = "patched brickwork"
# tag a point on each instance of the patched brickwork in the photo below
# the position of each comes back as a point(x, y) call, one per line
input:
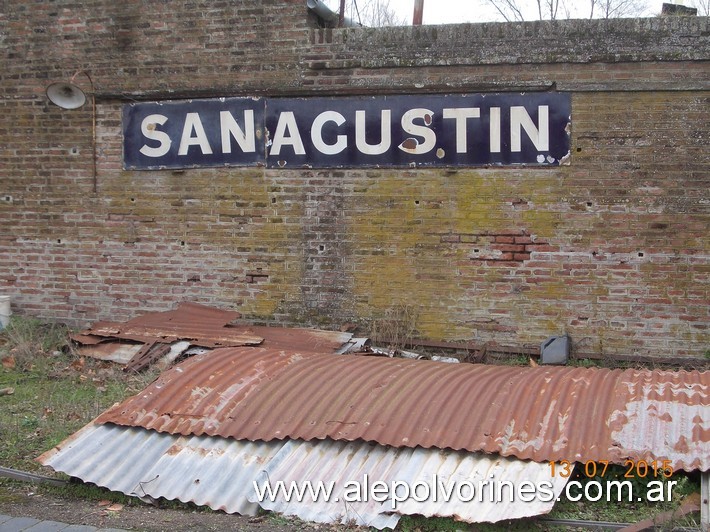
point(612, 249)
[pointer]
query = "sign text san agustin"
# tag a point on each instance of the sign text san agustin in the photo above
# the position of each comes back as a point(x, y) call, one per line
point(378, 131)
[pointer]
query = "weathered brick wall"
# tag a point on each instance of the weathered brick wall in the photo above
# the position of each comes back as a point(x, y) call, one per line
point(612, 249)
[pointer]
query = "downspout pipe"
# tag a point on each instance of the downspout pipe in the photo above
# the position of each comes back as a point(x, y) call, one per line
point(329, 16)
point(418, 12)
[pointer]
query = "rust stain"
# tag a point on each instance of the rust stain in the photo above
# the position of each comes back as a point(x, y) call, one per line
point(410, 144)
point(682, 445)
point(174, 450)
point(700, 433)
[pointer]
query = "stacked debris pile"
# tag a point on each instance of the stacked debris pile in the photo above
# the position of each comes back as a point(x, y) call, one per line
point(162, 337)
point(217, 426)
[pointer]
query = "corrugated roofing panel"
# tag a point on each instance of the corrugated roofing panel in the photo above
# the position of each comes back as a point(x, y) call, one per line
point(329, 462)
point(424, 471)
point(204, 326)
point(544, 413)
point(220, 473)
point(300, 339)
point(215, 472)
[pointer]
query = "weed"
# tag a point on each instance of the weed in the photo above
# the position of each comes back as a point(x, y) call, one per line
point(507, 359)
point(30, 341)
point(281, 520)
point(396, 327)
point(584, 363)
point(625, 510)
point(89, 492)
point(412, 523)
point(55, 391)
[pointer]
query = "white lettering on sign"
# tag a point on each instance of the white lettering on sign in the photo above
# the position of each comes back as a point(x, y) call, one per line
point(459, 130)
point(412, 145)
point(385, 133)
point(287, 134)
point(494, 127)
point(317, 133)
point(151, 132)
point(230, 129)
point(193, 123)
point(520, 119)
point(461, 115)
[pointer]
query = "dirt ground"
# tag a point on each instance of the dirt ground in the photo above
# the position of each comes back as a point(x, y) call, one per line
point(19, 500)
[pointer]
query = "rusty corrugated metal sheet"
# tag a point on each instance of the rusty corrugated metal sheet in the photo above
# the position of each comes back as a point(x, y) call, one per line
point(210, 327)
point(300, 339)
point(202, 325)
point(541, 414)
point(119, 352)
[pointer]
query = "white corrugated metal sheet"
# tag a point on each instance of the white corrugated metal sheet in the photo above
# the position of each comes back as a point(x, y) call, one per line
point(211, 471)
point(220, 473)
point(334, 462)
point(447, 472)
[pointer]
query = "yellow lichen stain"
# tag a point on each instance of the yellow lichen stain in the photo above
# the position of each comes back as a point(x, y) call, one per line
point(270, 242)
point(505, 199)
point(406, 227)
point(215, 210)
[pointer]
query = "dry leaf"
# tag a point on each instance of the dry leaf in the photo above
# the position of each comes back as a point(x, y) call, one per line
point(7, 391)
point(533, 364)
point(8, 362)
point(115, 507)
point(104, 502)
point(78, 364)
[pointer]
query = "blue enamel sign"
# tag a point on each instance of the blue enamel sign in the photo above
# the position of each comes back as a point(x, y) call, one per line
point(348, 132)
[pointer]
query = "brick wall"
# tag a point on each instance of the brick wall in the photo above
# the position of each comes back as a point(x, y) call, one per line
point(612, 249)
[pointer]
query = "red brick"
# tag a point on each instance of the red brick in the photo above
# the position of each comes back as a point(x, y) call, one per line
point(618, 197)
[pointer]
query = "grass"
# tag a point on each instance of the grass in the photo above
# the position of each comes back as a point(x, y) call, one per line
point(626, 511)
point(54, 391)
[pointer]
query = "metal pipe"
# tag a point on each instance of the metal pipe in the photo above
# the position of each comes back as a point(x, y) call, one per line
point(341, 14)
point(16, 474)
point(418, 12)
